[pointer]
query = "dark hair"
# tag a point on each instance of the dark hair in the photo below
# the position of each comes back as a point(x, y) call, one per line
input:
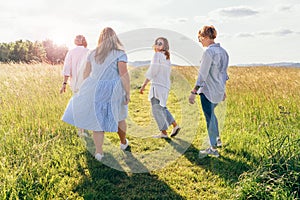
point(166, 46)
point(208, 31)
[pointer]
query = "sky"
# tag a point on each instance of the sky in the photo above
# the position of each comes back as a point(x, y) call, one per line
point(252, 31)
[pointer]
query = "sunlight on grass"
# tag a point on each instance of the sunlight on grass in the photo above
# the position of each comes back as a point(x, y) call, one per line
point(42, 157)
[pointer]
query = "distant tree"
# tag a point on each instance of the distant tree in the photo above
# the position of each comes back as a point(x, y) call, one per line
point(36, 52)
point(19, 51)
point(28, 52)
point(4, 52)
point(55, 54)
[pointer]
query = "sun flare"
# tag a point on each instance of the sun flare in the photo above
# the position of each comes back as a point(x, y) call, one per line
point(60, 38)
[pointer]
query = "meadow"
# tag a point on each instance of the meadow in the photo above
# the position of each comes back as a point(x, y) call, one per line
point(42, 157)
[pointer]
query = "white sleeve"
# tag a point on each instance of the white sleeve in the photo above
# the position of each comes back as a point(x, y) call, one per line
point(67, 70)
point(154, 67)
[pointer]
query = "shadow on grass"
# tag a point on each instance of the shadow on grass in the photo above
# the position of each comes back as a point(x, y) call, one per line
point(103, 182)
point(225, 167)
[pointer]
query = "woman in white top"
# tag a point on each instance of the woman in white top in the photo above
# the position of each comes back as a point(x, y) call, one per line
point(73, 63)
point(73, 67)
point(159, 74)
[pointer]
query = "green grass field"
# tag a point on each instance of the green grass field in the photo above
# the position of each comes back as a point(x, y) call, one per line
point(42, 157)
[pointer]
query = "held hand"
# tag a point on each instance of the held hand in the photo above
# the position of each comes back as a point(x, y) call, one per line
point(192, 98)
point(63, 89)
point(142, 90)
point(224, 96)
point(127, 99)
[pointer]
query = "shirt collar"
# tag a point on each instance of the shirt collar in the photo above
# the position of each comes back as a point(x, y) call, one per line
point(214, 45)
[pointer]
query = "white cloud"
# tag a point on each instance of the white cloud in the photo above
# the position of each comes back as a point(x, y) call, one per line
point(175, 20)
point(284, 8)
point(182, 20)
point(206, 19)
point(283, 32)
point(222, 15)
point(244, 35)
point(278, 33)
point(264, 33)
point(240, 11)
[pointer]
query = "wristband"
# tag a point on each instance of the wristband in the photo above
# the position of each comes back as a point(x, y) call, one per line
point(64, 83)
point(193, 92)
point(196, 87)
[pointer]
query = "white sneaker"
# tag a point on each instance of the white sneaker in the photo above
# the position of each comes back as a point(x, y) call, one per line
point(208, 151)
point(124, 146)
point(99, 156)
point(161, 135)
point(81, 133)
point(175, 131)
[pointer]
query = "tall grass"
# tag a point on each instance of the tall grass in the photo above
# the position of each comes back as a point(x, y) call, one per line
point(42, 157)
point(274, 124)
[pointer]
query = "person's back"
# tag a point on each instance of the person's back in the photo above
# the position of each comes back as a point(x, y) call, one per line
point(111, 62)
point(100, 105)
point(161, 69)
point(77, 58)
point(73, 64)
point(214, 86)
point(210, 85)
point(77, 55)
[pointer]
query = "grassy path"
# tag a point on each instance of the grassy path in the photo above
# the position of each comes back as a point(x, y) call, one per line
point(42, 158)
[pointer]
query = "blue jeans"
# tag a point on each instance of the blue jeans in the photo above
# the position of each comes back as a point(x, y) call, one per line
point(161, 115)
point(211, 119)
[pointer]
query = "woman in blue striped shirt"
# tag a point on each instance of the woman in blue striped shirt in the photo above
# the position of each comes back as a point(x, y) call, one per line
point(210, 84)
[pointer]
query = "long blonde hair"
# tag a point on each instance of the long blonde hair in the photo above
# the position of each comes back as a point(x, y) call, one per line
point(108, 41)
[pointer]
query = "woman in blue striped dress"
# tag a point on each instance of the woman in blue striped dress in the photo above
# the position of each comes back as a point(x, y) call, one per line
point(101, 103)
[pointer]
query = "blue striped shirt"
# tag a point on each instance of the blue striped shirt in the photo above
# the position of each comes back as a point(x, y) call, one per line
point(213, 73)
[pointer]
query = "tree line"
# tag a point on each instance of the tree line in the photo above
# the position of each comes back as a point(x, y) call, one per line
point(32, 52)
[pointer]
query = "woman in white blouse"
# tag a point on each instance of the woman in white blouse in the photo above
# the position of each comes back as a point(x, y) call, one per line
point(159, 75)
point(73, 64)
point(73, 68)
